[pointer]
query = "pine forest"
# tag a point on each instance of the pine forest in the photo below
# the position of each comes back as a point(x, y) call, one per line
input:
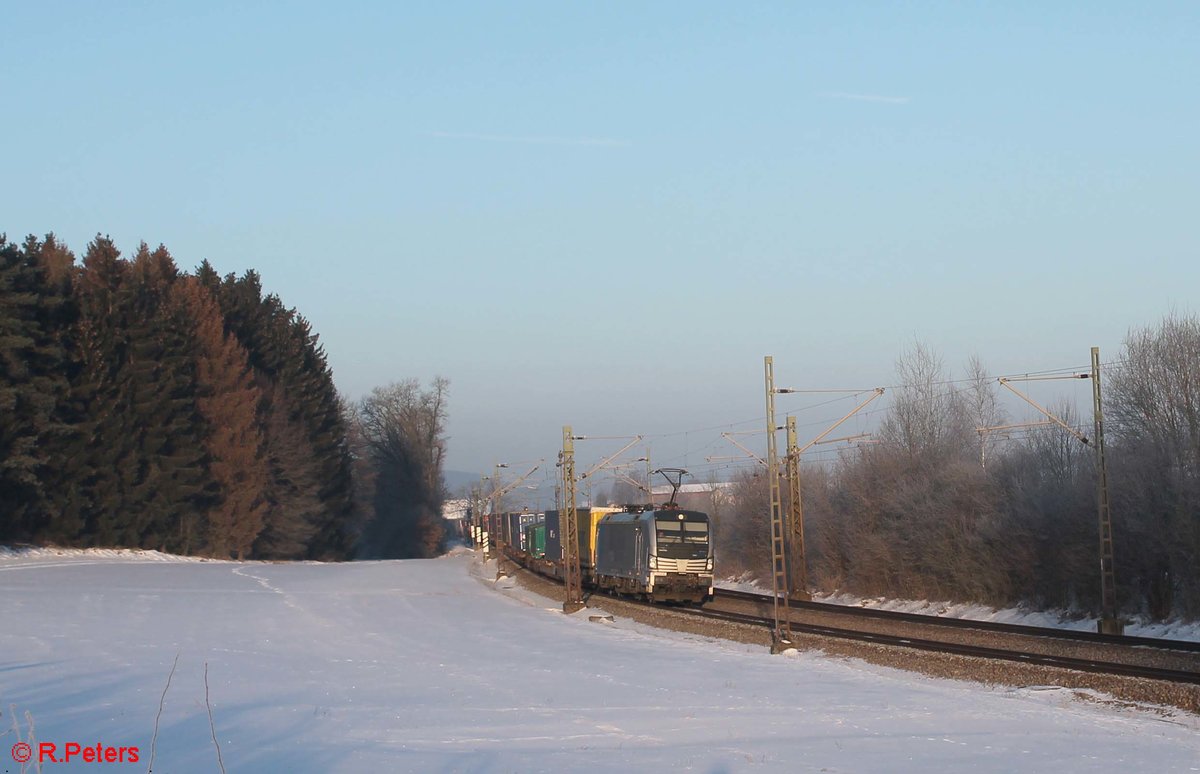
point(150, 407)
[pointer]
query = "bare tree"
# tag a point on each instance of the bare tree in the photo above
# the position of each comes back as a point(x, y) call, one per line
point(625, 493)
point(402, 415)
point(743, 530)
point(927, 416)
point(1155, 395)
point(1154, 409)
point(402, 427)
point(979, 402)
point(917, 516)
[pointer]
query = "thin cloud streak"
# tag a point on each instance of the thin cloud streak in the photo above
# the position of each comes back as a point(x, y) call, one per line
point(865, 97)
point(532, 140)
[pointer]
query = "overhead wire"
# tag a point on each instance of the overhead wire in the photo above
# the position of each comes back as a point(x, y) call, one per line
point(851, 394)
point(966, 382)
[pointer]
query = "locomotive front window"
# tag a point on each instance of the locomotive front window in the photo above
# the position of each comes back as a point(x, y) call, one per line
point(687, 538)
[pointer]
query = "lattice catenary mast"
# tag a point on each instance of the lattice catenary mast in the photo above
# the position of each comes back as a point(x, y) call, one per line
point(569, 523)
point(781, 638)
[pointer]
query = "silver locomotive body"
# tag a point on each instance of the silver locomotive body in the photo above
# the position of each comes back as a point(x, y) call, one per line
point(664, 554)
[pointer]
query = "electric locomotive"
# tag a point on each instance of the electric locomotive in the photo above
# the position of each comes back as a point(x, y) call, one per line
point(664, 554)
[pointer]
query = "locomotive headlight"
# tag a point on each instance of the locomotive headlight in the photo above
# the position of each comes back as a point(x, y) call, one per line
point(653, 562)
point(710, 564)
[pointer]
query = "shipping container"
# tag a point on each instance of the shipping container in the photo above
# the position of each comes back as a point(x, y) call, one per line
point(515, 524)
point(587, 519)
point(535, 539)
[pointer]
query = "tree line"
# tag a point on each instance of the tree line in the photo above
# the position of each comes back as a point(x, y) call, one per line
point(918, 515)
point(193, 413)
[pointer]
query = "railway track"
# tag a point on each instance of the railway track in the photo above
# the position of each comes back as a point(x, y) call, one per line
point(1170, 661)
point(1149, 658)
point(1180, 646)
point(977, 651)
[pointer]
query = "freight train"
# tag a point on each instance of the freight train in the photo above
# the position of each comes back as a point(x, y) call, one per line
point(661, 553)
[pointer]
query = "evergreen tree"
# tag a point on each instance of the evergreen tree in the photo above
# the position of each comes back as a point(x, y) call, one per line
point(56, 367)
point(248, 315)
point(302, 411)
point(148, 484)
point(105, 452)
point(32, 383)
point(294, 490)
point(147, 408)
point(229, 401)
point(172, 487)
point(309, 380)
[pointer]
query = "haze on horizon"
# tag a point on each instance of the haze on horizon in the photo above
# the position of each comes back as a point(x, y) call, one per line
point(605, 216)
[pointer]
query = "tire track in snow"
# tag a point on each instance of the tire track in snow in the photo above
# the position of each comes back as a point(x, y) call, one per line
point(266, 584)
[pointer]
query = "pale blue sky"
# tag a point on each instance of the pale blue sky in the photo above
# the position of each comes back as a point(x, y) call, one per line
point(606, 214)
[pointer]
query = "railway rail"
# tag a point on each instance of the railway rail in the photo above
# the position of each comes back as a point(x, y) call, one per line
point(978, 651)
point(1181, 646)
point(1174, 660)
point(1170, 661)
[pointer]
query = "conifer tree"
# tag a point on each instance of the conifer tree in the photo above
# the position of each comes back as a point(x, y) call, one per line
point(55, 366)
point(172, 487)
point(309, 380)
point(294, 490)
point(147, 481)
point(302, 410)
point(147, 408)
point(228, 399)
point(247, 315)
point(55, 259)
point(31, 384)
point(106, 446)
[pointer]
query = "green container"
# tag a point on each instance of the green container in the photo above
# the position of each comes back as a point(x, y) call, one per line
point(535, 540)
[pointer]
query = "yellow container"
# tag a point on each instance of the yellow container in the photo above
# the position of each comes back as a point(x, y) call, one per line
point(588, 518)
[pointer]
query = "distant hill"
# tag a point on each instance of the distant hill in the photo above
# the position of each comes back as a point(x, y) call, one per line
point(457, 479)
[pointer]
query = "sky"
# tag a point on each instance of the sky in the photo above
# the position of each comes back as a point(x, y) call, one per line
point(605, 215)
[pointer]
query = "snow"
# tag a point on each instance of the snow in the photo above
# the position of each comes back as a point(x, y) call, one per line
point(76, 554)
point(1052, 619)
point(435, 665)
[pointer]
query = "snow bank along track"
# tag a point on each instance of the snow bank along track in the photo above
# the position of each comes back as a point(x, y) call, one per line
point(1142, 657)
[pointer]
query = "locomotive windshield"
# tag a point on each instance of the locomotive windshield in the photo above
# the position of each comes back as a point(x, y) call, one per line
point(680, 539)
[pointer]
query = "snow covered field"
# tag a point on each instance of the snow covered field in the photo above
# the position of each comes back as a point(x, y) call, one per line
point(429, 666)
